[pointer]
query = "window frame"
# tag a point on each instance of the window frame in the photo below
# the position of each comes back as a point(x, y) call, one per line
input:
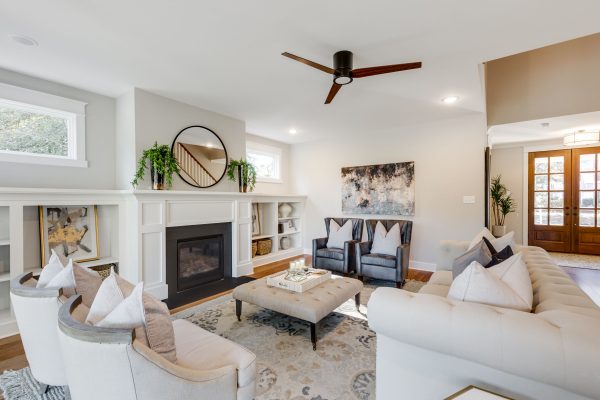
point(56, 106)
point(265, 150)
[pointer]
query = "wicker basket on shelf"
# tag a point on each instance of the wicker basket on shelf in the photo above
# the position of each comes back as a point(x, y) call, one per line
point(254, 248)
point(264, 246)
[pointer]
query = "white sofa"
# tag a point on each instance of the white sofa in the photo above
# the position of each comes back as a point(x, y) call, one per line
point(429, 346)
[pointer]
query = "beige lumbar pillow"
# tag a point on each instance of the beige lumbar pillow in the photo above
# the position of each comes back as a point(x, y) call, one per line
point(504, 285)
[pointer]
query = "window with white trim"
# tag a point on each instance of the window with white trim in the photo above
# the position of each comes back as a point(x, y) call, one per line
point(266, 160)
point(40, 128)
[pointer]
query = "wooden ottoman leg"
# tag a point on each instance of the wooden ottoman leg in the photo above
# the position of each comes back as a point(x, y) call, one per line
point(357, 300)
point(238, 309)
point(313, 335)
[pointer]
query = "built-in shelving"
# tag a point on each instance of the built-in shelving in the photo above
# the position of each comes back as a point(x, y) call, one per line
point(270, 219)
point(20, 235)
point(258, 237)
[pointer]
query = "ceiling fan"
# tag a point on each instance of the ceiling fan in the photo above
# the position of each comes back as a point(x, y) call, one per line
point(343, 73)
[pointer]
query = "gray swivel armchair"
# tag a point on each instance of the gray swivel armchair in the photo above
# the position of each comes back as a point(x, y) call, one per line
point(338, 260)
point(383, 266)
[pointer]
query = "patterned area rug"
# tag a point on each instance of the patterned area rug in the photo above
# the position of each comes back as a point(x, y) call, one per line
point(342, 367)
point(576, 260)
point(21, 385)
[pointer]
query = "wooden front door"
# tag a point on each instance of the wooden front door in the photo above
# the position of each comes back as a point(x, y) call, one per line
point(550, 200)
point(586, 210)
point(564, 200)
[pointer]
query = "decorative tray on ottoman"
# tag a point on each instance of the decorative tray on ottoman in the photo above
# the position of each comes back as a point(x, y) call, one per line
point(299, 282)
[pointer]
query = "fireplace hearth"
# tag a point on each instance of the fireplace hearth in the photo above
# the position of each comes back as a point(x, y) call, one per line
point(198, 262)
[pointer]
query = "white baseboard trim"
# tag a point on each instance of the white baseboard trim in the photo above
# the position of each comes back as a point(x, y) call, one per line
point(420, 265)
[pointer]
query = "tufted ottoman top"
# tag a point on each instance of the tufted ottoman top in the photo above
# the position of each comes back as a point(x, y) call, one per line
point(312, 305)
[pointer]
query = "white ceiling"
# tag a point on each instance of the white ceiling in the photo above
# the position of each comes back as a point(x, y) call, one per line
point(534, 131)
point(224, 55)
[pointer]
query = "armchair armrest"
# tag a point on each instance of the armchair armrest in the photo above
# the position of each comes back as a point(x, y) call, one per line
point(362, 249)
point(319, 243)
point(554, 347)
point(350, 256)
point(402, 261)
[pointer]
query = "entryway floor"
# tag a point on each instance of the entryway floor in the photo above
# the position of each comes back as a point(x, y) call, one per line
point(576, 260)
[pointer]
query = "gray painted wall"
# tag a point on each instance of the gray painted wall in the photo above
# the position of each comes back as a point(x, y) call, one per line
point(159, 119)
point(100, 143)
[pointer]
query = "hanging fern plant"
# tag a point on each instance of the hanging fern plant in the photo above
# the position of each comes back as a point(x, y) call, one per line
point(161, 161)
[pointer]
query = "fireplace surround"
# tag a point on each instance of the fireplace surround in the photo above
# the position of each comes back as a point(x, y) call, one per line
point(198, 260)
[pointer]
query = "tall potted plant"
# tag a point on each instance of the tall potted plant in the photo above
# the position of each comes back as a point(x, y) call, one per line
point(162, 166)
point(502, 205)
point(245, 172)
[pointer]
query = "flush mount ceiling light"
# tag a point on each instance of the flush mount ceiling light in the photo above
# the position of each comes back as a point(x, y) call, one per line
point(450, 99)
point(24, 40)
point(582, 137)
point(293, 131)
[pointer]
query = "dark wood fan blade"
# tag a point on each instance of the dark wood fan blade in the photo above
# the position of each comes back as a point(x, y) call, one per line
point(332, 92)
point(308, 62)
point(384, 69)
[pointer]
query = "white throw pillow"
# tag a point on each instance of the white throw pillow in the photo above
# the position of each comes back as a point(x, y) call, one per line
point(64, 279)
point(109, 296)
point(514, 273)
point(504, 285)
point(129, 313)
point(339, 235)
point(53, 268)
point(498, 243)
point(384, 241)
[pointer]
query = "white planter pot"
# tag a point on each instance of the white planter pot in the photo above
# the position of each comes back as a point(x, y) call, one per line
point(498, 230)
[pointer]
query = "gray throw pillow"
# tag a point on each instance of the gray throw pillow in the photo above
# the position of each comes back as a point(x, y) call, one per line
point(480, 253)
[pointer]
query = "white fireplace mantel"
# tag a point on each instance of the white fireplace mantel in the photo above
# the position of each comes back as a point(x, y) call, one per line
point(152, 212)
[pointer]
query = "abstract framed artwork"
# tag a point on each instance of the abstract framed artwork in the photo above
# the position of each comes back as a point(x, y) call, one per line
point(383, 189)
point(70, 231)
point(255, 220)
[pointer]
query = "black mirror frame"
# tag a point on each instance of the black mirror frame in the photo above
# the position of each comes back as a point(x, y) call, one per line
point(224, 149)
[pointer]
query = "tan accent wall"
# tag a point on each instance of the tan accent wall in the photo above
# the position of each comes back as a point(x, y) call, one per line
point(556, 80)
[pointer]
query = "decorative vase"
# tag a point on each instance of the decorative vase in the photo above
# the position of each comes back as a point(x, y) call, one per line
point(285, 243)
point(498, 230)
point(242, 182)
point(285, 210)
point(158, 180)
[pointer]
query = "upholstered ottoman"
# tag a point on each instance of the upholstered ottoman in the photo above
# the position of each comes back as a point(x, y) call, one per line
point(311, 306)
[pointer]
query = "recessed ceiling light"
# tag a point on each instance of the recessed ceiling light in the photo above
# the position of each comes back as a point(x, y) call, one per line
point(24, 40)
point(545, 124)
point(450, 99)
point(293, 131)
point(209, 145)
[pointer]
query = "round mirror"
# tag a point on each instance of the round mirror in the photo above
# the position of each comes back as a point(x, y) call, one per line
point(201, 156)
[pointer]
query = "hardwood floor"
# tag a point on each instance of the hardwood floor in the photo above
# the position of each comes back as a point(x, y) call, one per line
point(588, 280)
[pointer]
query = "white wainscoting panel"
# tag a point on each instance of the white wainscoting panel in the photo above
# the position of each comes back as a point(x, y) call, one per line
point(152, 213)
point(181, 213)
point(153, 245)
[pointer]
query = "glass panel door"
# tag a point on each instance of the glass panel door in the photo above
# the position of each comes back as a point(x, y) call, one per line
point(549, 190)
point(586, 200)
point(550, 200)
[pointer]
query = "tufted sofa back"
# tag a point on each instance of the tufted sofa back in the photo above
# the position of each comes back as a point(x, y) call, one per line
point(553, 289)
